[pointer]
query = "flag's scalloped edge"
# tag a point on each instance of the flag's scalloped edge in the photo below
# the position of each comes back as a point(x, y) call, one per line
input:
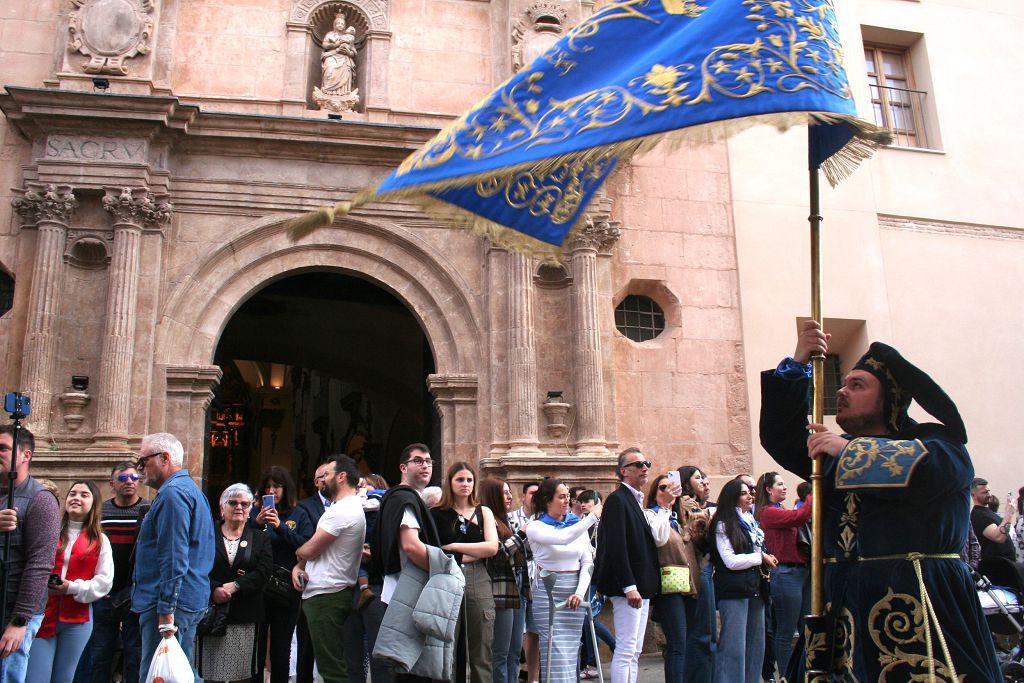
point(867, 138)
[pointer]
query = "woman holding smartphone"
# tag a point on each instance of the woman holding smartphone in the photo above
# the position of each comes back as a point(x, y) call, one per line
point(83, 572)
point(288, 527)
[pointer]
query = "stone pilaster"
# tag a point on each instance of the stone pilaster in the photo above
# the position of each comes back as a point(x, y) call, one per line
point(189, 393)
point(455, 399)
point(132, 210)
point(588, 374)
point(48, 208)
point(522, 361)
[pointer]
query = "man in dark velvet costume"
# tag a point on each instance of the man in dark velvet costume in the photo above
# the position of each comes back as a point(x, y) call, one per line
point(901, 602)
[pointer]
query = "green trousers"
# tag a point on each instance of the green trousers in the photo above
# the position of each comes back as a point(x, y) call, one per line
point(326, 615)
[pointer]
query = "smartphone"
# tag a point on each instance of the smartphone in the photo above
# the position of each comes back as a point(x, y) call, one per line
point(673, 476)
point(55, 580)
point(268, 502)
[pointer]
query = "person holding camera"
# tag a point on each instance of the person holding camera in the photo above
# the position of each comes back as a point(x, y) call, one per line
point(288, 526)
point(83, 572)
point(33, 525)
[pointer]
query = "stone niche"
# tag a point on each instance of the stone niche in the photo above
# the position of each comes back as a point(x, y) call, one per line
point(109, 33)
point(313, 36)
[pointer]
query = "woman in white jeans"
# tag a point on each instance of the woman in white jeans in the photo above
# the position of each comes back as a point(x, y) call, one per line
point(83, 572)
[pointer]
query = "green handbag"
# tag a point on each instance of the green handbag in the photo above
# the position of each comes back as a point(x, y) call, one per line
point(675, 578)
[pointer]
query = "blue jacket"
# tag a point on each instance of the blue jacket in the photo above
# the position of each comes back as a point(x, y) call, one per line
point(175, 550)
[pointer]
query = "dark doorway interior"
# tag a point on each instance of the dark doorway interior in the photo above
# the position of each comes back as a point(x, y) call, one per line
point(315, 364)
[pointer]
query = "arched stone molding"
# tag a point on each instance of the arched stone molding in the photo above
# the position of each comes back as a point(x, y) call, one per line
point(372, 21)
point(392, 257)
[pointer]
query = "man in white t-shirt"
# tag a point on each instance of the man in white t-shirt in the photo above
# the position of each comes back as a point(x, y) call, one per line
point(328, 568)
point(404, 526)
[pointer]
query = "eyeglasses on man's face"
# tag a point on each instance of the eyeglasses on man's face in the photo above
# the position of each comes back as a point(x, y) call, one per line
point(124, 476)
point(420, 462)
point(639, 464)
point(141, 463)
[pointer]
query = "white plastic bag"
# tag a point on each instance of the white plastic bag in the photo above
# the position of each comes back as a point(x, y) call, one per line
point(170, 665)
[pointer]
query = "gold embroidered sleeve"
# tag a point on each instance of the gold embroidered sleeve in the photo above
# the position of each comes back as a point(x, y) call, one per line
point(871, 462)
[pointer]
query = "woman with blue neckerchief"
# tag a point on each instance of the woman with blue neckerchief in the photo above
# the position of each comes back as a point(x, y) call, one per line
point(738, 555)
point(560, 546)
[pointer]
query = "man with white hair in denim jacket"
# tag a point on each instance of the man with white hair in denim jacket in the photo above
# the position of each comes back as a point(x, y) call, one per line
point(174, 552)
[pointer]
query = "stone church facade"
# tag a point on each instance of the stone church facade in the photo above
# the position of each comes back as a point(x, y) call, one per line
point(150, 151)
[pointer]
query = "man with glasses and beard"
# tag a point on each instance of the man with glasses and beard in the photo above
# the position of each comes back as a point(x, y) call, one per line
point(120, 520)
point(175, 550)
point(314, 506)
point(626, 568)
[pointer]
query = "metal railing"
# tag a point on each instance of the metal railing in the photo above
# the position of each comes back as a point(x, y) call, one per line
point(902, 112)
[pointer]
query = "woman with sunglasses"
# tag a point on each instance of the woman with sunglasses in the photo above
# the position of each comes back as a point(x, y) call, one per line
point(672, 524)
point(468, 531)
point(791, 579)
point(738, 556)
point(288, 526)
point(83, 572)
point(241, 567)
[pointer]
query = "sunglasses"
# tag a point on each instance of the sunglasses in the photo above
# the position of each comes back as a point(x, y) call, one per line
point(141, 463)
point(239, 504)
point(125, 477)
point(463, 525)
point(640, 463)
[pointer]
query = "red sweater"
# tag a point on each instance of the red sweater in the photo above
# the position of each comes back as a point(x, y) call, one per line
point(780, 528)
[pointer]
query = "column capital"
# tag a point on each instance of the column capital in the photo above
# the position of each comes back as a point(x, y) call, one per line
point(137, 206)
point(39, 202)
point(597, 232)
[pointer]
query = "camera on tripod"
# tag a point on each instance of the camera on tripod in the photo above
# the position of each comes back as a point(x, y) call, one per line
point(18, 405)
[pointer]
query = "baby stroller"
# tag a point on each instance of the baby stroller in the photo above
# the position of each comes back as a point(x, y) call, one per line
point(1001, 589)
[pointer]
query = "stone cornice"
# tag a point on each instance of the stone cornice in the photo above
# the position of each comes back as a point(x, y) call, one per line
point(36, 112)
point(908, 224)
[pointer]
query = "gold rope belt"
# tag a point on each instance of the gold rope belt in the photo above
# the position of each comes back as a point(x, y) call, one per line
point(926, 602)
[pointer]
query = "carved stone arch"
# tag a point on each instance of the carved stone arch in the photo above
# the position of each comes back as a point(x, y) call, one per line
point(387, 255)
point(375, 12)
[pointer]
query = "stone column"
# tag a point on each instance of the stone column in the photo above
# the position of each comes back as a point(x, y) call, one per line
point(132, 210)
point(48, 208)
point(587, 367)
point(522, 361)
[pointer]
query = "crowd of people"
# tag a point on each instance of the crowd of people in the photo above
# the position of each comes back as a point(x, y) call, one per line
point(414, 582)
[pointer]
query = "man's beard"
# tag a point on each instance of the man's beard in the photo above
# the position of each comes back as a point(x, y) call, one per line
point(859, 425)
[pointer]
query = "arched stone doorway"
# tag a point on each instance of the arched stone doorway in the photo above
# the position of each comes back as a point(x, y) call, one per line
point(318, 363)
point(391, 257)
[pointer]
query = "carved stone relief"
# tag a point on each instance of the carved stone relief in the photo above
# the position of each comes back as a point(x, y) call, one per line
point(109, 32)
point(536, 30)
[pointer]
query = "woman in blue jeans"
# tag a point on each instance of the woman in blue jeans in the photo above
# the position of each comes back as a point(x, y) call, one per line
point(791, 580)
point(738, 556)
point(671, 525)
point(83, 572)
point(509, 584)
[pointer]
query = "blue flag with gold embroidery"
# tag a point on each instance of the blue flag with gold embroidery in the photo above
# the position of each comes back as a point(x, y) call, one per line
point(531, 156)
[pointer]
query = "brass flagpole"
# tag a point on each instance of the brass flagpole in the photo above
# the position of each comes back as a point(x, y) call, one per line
point(817, 417)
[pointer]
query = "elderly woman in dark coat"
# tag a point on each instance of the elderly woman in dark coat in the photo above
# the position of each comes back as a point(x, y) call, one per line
point(241, 567)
